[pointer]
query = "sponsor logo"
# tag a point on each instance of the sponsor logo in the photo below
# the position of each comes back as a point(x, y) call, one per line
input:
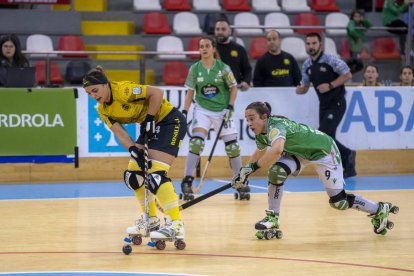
point(31, 120)
point(137, 90)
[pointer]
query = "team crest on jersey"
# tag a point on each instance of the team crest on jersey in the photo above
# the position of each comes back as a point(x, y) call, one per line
point(273, 133)
point(136, 90)
point(323, 69)
point(125, 107)
point(286, 61)
point(234, 53)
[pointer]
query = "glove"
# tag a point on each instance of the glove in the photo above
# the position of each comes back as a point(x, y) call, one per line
point(148, 126)
point(228, 113)
point(138, 155)
point(240, 180)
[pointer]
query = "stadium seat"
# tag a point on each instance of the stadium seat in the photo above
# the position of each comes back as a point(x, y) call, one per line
point(236, 5)
point(295, 6)
point(324, 6)
point(330, 47)
point(345, 51)
point(210, 21)
point(276, 20)
point(54, 76)
point(385, 48)
point(156, 23)
point(258, 46)
point(39, 43)
point(186, 23)
point(76, 70)
point(193, 45)
point(247, 19)
point(336, 19)
point(307, 19)
point(174, 73)
point(295, 46)
point(177, 5)
point(265, 5)
point(145, 5)
point(170, 43)
point(206, 5)
point(71, 43)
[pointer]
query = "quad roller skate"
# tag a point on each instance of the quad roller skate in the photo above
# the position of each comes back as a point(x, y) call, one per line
point(173, 231)
point(186, 188)
point(380, 219)
point(268, 227)
point(139, 230)
point(243, 193)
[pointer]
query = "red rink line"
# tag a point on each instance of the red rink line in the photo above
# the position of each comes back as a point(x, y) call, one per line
point(225, 256)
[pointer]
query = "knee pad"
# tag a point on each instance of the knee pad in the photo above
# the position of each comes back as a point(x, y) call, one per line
point(134, 179)
point(342, 201)
point(156, 179)
point(232, 148)
point(278, 173)
point(197, 145)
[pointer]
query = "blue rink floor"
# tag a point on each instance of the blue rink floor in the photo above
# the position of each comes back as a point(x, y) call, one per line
point(118, 189)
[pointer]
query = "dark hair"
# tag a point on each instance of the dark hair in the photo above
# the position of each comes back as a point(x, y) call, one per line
point(371, 65)
point(19, 60)
point(222, 20)
point(213, 43)
point(95, 76)
point(261, 108)
point(355, 12)
point(273, 30)
point(406, 67)
point(313, 34)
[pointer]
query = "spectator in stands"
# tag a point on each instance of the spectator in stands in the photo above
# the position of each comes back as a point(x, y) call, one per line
point(392, 11)
point(328, 75)
point(11, 54)
point(233, 54)
point(406, 76)
point(356, 38)
point(276, 68)
point(371, 76)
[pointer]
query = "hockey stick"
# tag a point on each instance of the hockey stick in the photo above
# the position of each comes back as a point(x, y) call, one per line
point(203, 175)
point(146, 185)
point(205, 196)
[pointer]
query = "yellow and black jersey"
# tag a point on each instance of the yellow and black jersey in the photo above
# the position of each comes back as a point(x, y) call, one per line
point(128, 104)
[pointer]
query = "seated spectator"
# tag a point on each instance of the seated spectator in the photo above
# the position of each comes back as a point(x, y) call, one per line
point(11, 52)
point(10, 55)
point(406, 76)
point(371, 76)
point(356, 38)
point(276, 68)
point(393, 9)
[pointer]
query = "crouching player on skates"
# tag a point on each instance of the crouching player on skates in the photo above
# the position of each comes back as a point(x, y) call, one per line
point(284, 147)
point(164, 126)
point(215, 90)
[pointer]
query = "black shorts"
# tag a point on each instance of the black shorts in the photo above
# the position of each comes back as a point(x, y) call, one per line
point(169, 133)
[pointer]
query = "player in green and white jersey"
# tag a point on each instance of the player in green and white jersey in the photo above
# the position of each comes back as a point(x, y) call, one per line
point(285, 147)
point(213, 86)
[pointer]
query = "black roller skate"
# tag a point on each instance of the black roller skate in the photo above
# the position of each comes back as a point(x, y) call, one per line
point(268, 227)
point(243, 193)
point(380, 219)
point(186, 188)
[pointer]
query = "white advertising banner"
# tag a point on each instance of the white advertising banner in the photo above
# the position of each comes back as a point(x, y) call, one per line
point(376, 118)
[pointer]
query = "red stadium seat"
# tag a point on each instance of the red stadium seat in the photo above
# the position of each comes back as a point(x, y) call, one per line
point(54, 77)
point(156, 23)
point(193, 45)
point(174, 73)
point(258, 47)
point(71, 43)
point(345, 51)
point(385, 48)
point(307, 19)
point(177, 5)
point(236, 5)
point(324, 6)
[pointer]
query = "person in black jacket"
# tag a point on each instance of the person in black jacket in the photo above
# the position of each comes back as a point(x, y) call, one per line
point(233, 54)
point(276, 68)
point(10, 55)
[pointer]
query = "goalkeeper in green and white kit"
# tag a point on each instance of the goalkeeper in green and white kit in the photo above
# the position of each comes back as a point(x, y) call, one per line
point(285, 146)
point(212, 85)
